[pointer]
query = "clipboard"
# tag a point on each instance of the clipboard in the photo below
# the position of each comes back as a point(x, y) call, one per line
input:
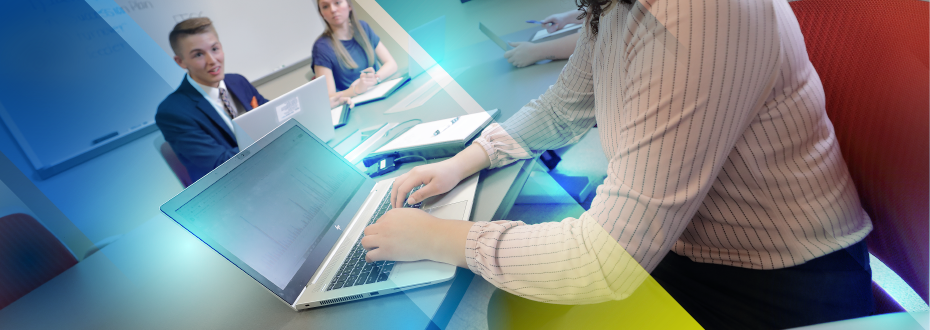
point(340, 115)
point(491, 35)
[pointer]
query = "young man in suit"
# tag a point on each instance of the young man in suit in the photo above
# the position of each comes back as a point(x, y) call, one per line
point(196, 119)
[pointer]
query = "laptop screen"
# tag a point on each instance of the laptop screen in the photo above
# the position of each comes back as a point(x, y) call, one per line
point(271, 212)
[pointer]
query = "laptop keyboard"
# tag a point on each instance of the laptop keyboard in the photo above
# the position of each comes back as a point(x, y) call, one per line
point(354, 270)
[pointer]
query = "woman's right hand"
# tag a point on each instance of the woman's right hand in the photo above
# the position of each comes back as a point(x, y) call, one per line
point(438, 178)
point(366, 79)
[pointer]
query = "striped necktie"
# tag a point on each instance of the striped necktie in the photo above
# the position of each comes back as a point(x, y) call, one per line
point(229, 108)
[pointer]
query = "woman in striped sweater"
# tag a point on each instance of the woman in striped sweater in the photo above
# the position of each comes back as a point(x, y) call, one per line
point(725, 180)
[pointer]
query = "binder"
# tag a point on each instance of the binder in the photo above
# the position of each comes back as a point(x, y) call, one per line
point(436, 139)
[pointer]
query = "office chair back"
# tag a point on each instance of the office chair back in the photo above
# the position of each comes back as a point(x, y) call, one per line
point(172, 159)
point(873, 60)
point(29, 256)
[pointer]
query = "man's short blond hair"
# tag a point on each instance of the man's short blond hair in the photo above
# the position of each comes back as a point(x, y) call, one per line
point(190, 26)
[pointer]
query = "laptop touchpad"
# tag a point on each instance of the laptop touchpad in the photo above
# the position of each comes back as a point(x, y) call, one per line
point(454, 211)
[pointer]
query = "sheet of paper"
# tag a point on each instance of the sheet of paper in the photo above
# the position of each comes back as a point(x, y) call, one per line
point(337, 113)
point(425, 133)
point(378, 90)
point(545, 34)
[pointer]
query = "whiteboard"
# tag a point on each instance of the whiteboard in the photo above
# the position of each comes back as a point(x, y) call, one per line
point(259, 37)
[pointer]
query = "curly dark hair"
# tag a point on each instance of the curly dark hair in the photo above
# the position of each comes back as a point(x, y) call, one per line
point(594, 9)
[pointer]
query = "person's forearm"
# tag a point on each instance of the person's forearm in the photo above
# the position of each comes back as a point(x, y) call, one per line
point(559, 49)
point(348, 92)
point(387, 70)
point(449, 241)
point(575, 14)
point(471, 160)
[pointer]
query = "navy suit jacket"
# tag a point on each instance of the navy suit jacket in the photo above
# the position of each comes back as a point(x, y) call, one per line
point(194, 129)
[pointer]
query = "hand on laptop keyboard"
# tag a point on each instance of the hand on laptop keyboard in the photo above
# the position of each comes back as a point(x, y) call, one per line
point(355, 270)
point(418, 204)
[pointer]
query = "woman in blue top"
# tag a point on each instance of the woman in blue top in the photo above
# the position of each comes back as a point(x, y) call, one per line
point(346, 52)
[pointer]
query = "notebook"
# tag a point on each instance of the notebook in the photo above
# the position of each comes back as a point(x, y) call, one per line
point(435, 139)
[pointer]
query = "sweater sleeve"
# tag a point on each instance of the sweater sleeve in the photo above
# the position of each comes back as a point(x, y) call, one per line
point(559, 117)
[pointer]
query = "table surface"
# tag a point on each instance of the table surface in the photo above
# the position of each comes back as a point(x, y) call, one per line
point(159, 276)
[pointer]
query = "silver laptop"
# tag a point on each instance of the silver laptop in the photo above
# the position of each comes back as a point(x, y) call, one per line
point(308, 104)
point(290, 212)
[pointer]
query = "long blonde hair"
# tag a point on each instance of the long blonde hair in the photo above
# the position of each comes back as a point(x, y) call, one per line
point(360, 36)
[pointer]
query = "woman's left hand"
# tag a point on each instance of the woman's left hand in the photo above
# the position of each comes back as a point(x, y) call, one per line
point(523, 54)
point(401, 234)
point(340, 100)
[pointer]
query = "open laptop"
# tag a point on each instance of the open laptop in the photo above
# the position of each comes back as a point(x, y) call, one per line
point(308, 104)
point(290, 212)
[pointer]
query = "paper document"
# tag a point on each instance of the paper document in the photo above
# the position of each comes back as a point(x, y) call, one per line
point(377, 91)
point(440, 131)
point(565, 30)
point(337, 114)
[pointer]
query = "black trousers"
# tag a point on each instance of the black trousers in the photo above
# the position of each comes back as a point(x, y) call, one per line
point(833, 287)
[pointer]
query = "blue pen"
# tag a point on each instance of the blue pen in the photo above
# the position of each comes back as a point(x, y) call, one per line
point(533, 21)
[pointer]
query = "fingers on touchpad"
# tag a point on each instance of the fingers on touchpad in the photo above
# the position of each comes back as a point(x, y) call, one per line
point(454, 211)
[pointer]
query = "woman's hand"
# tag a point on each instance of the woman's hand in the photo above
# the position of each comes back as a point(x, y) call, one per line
point(366, 79)
point(558, 21)
point(408, 234)
point(439, 178)
point(337, 100)
point(523, 54)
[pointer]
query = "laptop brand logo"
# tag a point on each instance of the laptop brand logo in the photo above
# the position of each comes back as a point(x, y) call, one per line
point(243, 154)
point(338, 228)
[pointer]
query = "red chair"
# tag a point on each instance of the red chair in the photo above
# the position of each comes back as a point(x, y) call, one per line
point(30, 256)
point(172, 159)
point(873, 60)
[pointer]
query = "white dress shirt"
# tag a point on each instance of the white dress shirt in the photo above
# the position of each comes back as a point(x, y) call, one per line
point(719, 147)
point(212, 94)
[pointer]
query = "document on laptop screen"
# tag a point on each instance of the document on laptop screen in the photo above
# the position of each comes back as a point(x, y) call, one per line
point(272, 210)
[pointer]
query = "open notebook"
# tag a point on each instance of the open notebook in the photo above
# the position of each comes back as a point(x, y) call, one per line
point(380, 91)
